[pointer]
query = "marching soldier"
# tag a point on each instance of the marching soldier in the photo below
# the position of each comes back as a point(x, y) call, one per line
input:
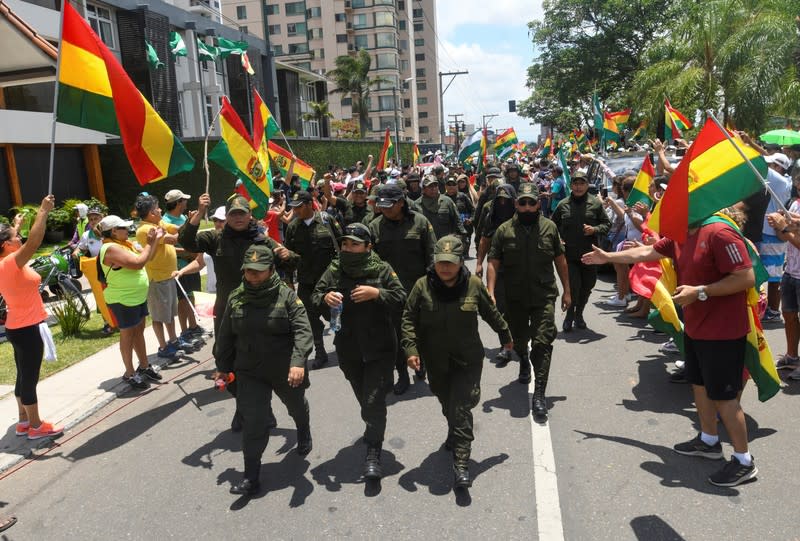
point(525, 248)
point(440, 325)
point(464, 207)
point(265, 338)
point(439, 209)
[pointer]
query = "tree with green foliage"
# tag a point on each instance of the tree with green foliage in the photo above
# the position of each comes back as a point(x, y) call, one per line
point(351, 77)
point(319, 112)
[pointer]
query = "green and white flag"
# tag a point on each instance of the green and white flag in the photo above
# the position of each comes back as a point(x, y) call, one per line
point(227, 47)
point(176, 45)
point(206, 52)
point(562, 162)
point(470, 146)
point(152, 56)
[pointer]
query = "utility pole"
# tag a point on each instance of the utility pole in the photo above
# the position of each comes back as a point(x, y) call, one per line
point(455, 121)
point(396, 127)
point(441, 99)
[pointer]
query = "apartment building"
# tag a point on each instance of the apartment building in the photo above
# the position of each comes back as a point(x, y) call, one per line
point(399, 35)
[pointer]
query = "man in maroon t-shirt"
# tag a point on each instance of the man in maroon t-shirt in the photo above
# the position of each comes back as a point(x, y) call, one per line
point(714, 274)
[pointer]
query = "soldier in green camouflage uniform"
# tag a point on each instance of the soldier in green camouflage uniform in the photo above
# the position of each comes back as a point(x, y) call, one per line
point(440, 325)
point(265, 338)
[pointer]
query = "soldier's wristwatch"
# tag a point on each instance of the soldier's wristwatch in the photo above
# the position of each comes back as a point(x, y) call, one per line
point(701, 294)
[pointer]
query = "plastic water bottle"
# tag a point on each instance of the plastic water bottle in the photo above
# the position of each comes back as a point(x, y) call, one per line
point(336, 317)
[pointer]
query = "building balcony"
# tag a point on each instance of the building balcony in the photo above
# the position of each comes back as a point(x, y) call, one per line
point(202, 7)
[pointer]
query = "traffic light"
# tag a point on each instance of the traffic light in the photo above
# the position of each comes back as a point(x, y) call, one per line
point(512, 106)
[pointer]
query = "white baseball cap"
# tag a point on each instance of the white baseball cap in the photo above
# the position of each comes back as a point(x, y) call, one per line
point(111, 222)
point(175, 195)
point(219, 214)
point(779, 158)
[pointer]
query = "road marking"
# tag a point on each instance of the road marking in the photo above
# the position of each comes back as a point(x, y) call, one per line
point(545, 482)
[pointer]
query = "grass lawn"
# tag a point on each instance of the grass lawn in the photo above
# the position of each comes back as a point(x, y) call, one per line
point(69, 351)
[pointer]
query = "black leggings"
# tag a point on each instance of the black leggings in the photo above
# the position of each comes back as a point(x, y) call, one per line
point(28, 353)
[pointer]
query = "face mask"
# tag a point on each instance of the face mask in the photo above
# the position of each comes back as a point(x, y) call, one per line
point(353, 263)
point(528, 218)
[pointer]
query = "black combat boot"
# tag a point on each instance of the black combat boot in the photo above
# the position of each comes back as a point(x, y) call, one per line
point(567, 327)
point(403, 382)
point(580, 323)
point(250, 484)
point(304, 443)
point(524, 369)
point(320, 357)
point(372, 464)
point(538, 403)
point(502, 358)
point(461, 477)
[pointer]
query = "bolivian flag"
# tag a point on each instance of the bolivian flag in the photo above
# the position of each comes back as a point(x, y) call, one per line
point(674, 123)
point(610, 128)
point(620, 117)
point(711, 176)
point(283, 159)
point(657, 280)
point(415, 155)
point(236, 153)
point(641, 188)
point(547, 149)
point(94, 92)
point(504, 144)
point(386, 152)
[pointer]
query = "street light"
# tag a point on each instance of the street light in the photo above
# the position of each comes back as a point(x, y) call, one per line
point(397, 120)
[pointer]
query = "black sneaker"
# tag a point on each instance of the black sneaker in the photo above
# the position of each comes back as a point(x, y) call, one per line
point(733, 473)
point(149, 373)
point(697, 447)
point(136, 381)
point(678, 376)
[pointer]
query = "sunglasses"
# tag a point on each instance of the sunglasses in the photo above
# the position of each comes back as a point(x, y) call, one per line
point(527, 203)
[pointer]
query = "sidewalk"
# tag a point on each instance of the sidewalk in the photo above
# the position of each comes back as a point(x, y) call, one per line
point(70, 396)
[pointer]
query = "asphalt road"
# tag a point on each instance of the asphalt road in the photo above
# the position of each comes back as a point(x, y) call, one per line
point(159, 465)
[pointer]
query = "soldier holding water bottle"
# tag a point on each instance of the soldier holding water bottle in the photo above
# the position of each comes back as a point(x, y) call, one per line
point(366, 292)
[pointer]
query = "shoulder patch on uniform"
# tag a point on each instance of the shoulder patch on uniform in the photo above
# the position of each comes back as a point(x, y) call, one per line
point(298, 302)
point(393, 274)
point(430, 227)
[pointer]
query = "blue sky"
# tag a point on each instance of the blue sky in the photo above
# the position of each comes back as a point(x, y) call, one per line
point(494, 46)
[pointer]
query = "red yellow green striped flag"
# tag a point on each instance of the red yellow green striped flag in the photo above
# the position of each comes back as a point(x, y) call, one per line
point(657, 280)
point(610, 128)
point(386, 152)
point(504, 144)
point(283, 159)
point(484, 144)
point(711, 176)
point(547, 148)
point(641, 187)
point(415, 155)
point(236, 153)
point(94, 92)
point(674, 123)
point(620, 117)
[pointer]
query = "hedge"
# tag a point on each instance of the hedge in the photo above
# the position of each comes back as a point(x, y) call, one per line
point(122, 188)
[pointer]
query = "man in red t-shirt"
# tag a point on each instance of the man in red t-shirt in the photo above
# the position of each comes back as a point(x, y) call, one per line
point(714, 274)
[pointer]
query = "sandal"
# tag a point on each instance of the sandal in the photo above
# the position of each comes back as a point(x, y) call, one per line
point(7, 522)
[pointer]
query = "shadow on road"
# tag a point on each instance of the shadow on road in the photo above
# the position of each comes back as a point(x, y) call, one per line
point(675, 471)
point(513, 397)
point(290, 472)
point(653, 528)
point(418, 389)
point(346, 467)
point(578, 336)
point(436, 472)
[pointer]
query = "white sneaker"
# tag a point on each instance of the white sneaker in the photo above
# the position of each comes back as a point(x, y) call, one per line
point(680, 364)
point(617, 302)
point(669, 347)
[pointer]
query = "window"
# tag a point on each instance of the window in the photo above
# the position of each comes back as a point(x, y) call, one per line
point(419, 57)
point(407, 122)
point(181, 112)
point(340, 17)
point(273, 9)
point(418, 27)
point(384, 18)
point(298, 48)
point(218, 64)
point(406, 104)
point(386, 122)
point(383, 3)
point(296, 29)
point(389, 83)
point(295, 8)
point(401, 5)
point(423, 114)
point(274, 29)
point(102, 23)
point(341, 38)
point(404, 65)
point(320, 53)
point(386, 39)
point(277, 49)
point(304, 65)
point(386, 60)
point(423, 129)
point(422, 101)
point(241, 12)
point(362, 42)
point(346, 101)
point(417, 12)
point(243, 30)
point(401, 25)
point(420, 72)
point(315, 33)
point(419, 42)
point(422, 85)
point(403, 44)
point(359, 21)
point(386, 103)
point(313, 13)
point(209, 111)
point(359, 3)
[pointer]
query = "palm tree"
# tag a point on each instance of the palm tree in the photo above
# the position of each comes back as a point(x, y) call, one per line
point(351, 76)
point(319, 112)
point(726, 55)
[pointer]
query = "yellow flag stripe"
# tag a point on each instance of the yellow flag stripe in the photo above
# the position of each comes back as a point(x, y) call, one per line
point(157, 139)
point(716, 161)
point(81, 69)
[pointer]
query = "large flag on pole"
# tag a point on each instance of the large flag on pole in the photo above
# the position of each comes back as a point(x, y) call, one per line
point(504, 144)
point(470, 146)
point(176, 45)
point(283, 158)
point(95, 92)
point(236, 153)
point(610, 128)
point(386, 152)
point(597, 110)
point(711, 176)
point(620, 117)
point(674, 123)
point(562, 162)
point(547, 148)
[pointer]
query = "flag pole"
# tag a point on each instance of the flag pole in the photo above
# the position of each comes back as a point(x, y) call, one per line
point(55, 101)
point(755, 171)
point(205, 150)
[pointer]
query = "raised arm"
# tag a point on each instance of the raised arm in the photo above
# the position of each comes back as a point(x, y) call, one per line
point(36, 233)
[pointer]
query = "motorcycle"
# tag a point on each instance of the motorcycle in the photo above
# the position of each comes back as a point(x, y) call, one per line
point(59, 272)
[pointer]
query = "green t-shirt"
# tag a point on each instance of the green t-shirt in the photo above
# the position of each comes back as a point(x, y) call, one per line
point(127, 287)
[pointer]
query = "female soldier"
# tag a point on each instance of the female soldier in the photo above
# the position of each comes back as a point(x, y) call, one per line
point(369, 292)
point(265, 338)
point(440, 324)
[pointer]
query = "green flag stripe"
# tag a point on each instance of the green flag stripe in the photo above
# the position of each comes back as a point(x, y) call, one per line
point(86, 109)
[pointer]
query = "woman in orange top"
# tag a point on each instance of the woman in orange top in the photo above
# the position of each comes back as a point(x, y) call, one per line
point(20, 289)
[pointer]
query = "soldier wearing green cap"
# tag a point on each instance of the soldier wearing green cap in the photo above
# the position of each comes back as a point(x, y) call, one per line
point(439, 209)
point(265, 338)
point(525, 249)
point(313, 235)
point(440, 325)
point(370, 293)
point(581, 220)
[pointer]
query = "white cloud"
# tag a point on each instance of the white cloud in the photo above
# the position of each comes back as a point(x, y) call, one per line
point(450, 14)
point(494, 78)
